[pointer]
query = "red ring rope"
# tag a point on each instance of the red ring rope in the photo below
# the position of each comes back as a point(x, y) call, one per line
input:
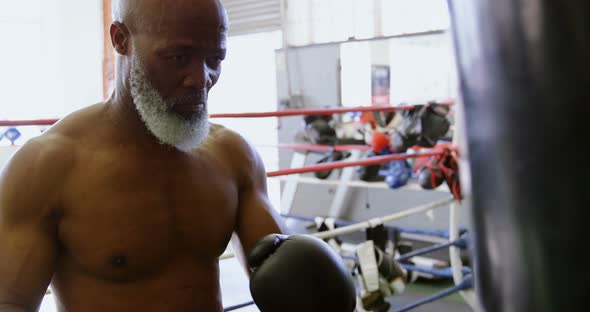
point(283, 113)
point(313, 168)
point(16, 123)
point(323, 148)
point(343, 164)
point(344, 148)
point(326, 111)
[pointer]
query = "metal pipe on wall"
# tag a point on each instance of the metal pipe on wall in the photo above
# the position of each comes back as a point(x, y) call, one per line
point(524, 72)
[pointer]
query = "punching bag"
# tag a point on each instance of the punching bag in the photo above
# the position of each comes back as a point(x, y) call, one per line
point(525, 88)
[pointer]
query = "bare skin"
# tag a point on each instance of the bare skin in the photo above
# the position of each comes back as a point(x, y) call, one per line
point(116, 221)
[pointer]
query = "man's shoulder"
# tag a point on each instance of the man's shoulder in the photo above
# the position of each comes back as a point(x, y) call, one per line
point(39, 167)
point(53, 152)
point(48, 154)
point(229, 141)
point(238, 153)
point(78, 123)
point(221, 133)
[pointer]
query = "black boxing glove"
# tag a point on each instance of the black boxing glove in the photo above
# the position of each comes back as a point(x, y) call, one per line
point(430, 178)
point(299, 273)
point(434, 124)
point(423, 126)
point(320, 131)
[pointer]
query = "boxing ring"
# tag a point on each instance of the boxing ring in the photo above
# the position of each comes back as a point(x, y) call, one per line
point(454, 236)
point(524, 71)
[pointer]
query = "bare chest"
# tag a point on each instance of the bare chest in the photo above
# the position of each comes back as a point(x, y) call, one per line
point(125, 217)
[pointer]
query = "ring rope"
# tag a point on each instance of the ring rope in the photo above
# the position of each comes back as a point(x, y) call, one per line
point(36, 122)
point(361, 184)
point(322, 112)
point(389, 218)
point(467, 283)
point(326, 111)
point(444, 234)
point(461, 243)
point(238, 306)
point(444, 273)
point(282, 113)
point(340, 148)
point(319, 147)
point(371, 223)
point(376, 160)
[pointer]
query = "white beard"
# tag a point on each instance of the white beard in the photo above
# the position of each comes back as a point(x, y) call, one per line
point(167, 126)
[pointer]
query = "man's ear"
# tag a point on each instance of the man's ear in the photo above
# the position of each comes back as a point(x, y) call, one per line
point(120, 38)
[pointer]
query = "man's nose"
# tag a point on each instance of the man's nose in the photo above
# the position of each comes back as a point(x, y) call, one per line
point(199, 77)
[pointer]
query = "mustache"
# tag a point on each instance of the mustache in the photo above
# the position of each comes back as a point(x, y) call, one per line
point(199, 97)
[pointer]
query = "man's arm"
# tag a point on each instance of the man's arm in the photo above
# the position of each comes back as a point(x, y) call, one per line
point(256, 216)
point(27, 226)
point(316, 273)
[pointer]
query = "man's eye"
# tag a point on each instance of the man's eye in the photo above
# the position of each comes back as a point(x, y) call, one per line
point(214, 62)
point(180, 59)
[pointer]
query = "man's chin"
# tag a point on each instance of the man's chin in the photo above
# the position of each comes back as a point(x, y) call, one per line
point(191, 115)
point(187, 135)
point(195, 140)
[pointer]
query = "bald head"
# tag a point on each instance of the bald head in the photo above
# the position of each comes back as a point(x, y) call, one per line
point(141, 15)
point(120, 10)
